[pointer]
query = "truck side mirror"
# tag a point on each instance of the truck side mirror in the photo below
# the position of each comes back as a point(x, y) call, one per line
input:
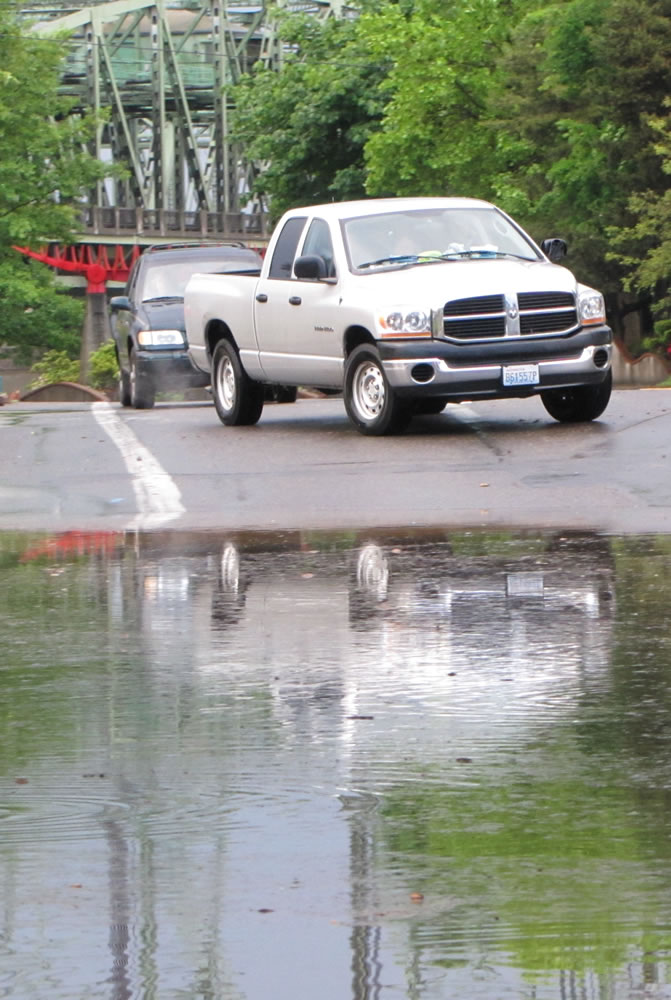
point(310, 266)
point(555, 249)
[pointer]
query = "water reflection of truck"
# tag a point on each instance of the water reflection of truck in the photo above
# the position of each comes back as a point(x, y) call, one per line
point(554, 591)
point(338, 620)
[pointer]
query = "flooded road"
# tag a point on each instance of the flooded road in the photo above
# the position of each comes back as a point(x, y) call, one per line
point(335, 766)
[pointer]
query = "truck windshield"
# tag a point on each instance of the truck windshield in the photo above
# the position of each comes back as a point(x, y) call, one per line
point(401, 239)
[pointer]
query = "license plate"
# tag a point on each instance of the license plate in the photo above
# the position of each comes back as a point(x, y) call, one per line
point(525, 585)
point(521, 375)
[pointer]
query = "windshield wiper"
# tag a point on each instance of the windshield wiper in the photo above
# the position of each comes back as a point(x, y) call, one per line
point(165, 298)
point(404, 258)
point(475, 254)
point(435, 256)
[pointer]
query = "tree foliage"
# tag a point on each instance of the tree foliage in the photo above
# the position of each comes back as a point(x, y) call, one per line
point(54, 366)
point(583, 78)
point(307, 126)
point(36, 314)
point(554, 110)
point(44, 168)
point(437, 135)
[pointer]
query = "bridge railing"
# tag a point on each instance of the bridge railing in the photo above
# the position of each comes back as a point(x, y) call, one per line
point(153, 223)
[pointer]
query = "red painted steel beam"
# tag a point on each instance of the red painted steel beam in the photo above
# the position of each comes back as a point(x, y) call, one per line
point(84, 260)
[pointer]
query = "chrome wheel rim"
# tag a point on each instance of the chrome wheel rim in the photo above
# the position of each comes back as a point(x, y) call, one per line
point(372, 572)
point(230, 569)
point(368, 391)
point(226, 383)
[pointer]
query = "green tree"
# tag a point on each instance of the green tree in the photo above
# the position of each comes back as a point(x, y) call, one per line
point(583, 80)
point(437, 135)
point(643, 248)
point(548, 109)
point(307, 125)
point(552, 110)
point(36, 314)
point(44, 168)
point(55, 366)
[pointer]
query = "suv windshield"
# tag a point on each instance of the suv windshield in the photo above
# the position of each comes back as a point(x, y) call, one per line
point(427, 235)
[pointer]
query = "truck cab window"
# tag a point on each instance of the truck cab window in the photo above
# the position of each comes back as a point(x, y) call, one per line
point(318, 242)
point(285, 249)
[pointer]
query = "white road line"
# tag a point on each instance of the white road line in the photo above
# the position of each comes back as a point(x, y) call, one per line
point(156, 494)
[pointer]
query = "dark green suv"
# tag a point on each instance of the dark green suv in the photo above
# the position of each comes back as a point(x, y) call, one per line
point(148, 320)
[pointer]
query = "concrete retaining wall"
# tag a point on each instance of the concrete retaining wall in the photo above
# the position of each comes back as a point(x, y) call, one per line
point(63, 392)
point(648, 370)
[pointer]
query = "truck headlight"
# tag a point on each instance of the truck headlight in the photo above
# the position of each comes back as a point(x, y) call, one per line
point(161, 338)
point(591, 307)
point(404, 322)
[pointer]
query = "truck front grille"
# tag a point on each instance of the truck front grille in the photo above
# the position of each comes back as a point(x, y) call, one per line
point(490, 317)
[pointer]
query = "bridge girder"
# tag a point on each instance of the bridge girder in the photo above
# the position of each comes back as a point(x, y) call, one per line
point(160, 75)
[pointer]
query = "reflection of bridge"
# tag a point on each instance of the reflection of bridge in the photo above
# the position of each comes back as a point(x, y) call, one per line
point(159, 73)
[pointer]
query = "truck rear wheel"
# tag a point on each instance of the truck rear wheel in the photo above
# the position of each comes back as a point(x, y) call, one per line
point(238, 400)
point(371, 403)
point(580, 403)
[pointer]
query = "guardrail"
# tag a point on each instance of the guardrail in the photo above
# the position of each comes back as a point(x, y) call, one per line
point(150, 223)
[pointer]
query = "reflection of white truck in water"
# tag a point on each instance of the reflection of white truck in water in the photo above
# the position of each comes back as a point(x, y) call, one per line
point(404, 305)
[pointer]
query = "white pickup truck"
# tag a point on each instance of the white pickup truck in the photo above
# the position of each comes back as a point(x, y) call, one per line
point(404, 305)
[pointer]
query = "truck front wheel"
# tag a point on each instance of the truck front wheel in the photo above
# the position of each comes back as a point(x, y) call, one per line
point(580, 403)
point(371, 403)
point(237, 398)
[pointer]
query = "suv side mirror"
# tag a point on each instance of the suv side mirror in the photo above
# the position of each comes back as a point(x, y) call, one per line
point(120, 302)
point(311, 266)
point(555, 249)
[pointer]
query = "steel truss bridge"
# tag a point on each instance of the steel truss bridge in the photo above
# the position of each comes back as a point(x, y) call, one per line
point(161, 72)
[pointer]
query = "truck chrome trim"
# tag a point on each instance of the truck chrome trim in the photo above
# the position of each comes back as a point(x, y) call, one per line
point(399, 371)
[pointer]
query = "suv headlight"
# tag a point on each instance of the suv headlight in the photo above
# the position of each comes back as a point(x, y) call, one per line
point(400, 321)
point(161, 338)
point(591, 307)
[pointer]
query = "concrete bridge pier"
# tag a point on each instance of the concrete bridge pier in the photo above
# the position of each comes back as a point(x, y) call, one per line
point(96, 330)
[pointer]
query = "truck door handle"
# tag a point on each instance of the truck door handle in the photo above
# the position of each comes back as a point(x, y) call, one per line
point(295, 300)
point(262, 297)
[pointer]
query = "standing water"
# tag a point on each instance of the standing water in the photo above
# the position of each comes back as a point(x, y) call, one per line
point(338, 767)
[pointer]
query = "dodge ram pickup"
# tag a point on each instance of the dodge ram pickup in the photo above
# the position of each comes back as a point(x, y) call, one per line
point(403, 305)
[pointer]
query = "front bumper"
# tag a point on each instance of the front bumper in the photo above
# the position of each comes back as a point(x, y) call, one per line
point(456, 371)
point(170, 370)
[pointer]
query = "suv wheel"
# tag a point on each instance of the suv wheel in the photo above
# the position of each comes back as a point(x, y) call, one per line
point(124, 387)
point(141, 387)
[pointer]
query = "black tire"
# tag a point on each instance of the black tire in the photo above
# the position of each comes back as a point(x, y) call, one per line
point(429, 407)
point(286, 393)
point(124, 387)
point(578, 404)
point(371, 403)
point(238, 399)
point(142, 393)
